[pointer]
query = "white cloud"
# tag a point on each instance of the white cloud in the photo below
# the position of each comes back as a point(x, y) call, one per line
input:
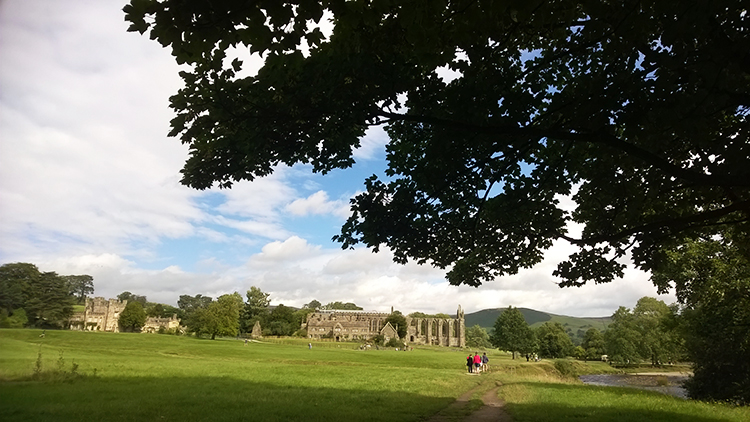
point(292, 251)
point(372, 146)
point(319, 204)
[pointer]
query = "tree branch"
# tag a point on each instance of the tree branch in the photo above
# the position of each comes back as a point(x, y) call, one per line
point(677, 224)
point(594, 138)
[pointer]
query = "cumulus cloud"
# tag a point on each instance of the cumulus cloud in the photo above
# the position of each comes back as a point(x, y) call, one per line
point(318, 204)
point(294, 249)
point(372, 146)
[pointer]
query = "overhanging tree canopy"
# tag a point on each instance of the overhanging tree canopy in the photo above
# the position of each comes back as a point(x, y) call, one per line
point(636, 109)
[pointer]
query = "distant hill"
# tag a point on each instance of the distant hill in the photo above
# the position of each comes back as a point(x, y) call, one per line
point(573, 325)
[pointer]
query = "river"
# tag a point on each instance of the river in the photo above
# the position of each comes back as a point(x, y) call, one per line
point(666, 383)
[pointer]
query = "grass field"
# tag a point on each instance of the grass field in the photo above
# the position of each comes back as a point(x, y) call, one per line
point(124, 377)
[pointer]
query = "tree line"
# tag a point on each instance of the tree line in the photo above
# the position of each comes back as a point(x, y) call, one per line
point(29, 297)
point(32, 298)
point(653, 333)
point(229, 314)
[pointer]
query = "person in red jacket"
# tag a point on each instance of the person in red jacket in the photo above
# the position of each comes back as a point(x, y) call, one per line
point(477, 362)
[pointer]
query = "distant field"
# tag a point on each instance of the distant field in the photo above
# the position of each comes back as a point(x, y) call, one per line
point(149, 377)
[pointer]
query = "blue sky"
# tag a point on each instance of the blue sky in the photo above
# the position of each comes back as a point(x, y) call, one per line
point(89, 184)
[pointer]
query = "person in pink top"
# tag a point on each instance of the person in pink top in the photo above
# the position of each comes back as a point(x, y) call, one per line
point(477, 362)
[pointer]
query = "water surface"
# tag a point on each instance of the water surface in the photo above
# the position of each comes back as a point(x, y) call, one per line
point(670, 383)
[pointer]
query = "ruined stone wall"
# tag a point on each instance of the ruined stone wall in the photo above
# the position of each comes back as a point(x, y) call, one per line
point(358, 325)
point(344, 325)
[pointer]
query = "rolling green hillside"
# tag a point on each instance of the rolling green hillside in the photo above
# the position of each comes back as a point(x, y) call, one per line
point(574, 326)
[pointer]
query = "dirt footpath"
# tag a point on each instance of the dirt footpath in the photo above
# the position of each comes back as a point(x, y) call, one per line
point(491, 411)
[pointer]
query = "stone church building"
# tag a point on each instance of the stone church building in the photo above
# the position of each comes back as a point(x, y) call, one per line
point(343, 325)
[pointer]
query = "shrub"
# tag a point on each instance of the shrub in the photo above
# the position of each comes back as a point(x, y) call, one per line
point(17, 319)
point(60, 374)
point(566, 368)
point(394, 342)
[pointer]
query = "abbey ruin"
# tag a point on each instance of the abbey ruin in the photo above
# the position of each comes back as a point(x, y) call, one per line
point(343, 325)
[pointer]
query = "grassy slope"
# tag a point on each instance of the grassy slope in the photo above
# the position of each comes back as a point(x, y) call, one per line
point(486, 319)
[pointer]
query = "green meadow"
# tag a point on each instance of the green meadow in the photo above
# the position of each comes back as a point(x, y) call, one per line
point(77, 376)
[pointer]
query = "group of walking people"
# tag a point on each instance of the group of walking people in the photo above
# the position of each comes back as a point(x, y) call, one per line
point(476, 363)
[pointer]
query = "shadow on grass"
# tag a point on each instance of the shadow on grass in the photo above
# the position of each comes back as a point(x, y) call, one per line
point(582, 403)
point(205, 399)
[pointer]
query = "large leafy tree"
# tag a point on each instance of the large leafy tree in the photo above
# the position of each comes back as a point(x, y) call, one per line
point(189, 303)
point(191, 307)
point(622, 338)
point(714, 279)
point(49, 302)
point(133, 317)
point(281, 321)
point(636, 110)
point(80, 286)
point(477, 336)
point(338, 305)
point(130, 297)
point(314, 304)
point(593, 344)
point(398, 322)
point(221, 317)
point(552, 341)
point(255, 308)
point(660, 341)
point(647, 333)
point(14, 283)
point(512, 333)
